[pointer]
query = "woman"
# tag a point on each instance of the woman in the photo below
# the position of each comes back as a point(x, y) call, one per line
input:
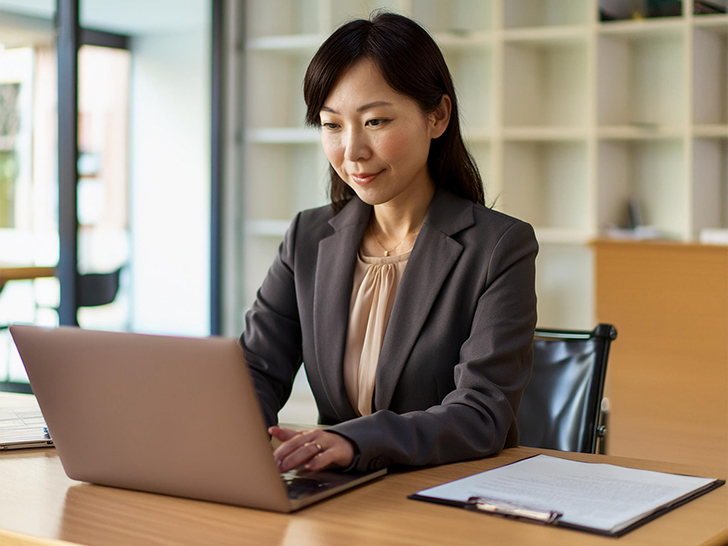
point(411, 305)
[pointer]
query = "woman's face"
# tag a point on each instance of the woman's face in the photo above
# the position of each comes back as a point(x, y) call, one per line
point(377, 139)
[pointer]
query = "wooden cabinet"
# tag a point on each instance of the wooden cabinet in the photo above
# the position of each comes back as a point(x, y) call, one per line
point(667, 379)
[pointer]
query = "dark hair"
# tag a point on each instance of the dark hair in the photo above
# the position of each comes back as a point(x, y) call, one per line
point(412, 64)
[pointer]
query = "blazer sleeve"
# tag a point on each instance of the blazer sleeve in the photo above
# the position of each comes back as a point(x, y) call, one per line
point(478, 417)
point(271, 340)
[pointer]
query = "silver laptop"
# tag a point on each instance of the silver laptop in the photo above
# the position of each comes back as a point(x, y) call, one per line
point(171, 415)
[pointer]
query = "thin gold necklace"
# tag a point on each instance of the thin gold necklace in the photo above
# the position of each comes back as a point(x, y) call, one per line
point(386, 252)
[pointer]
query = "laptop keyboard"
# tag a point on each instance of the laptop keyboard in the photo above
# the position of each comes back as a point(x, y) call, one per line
point(303, 485)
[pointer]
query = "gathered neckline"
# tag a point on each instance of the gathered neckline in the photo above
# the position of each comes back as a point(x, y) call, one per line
point(380, 260)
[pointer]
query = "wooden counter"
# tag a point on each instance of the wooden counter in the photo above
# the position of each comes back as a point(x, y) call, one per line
point(667, 379)
point(19, 273)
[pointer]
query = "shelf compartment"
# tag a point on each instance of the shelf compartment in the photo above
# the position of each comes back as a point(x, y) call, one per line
point(285, 178)
point(482, 153)
point(710, 76)
point(544, 133)
point(643, 29)
point(454, 17)
point(712, 18)
point(545, 84)
point(640, 132)
point(477, 135)
point(258, 255)
point(544, 13)
point(718, 23)
point(472, 73)
point(641, 80)
point(274, 98)
point(454, 42)
point(282, 17)
point(568, 35)
point(710, 184)
point(547, 184)
point(650, 172)
point(716, 131)
point(564, 286)
point(615, 12)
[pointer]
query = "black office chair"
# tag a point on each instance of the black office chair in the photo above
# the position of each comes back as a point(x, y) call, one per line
point(95, 289)
point(561, 407)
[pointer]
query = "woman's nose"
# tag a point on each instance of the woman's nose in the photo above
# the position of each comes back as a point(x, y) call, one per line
point(356, 147)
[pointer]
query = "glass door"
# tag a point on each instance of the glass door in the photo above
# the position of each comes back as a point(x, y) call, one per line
point(134, 207)
point(29, 244)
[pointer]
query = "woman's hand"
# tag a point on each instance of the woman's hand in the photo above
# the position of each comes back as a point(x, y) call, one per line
point(315, 449)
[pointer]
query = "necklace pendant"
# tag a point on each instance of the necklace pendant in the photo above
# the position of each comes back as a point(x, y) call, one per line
point(386, 253)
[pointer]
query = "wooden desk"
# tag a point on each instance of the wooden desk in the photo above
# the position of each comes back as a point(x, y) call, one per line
point(38, 499)
point(20, 273)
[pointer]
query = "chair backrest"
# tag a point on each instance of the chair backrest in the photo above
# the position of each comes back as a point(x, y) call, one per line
point(561, 405)
point(96, 289)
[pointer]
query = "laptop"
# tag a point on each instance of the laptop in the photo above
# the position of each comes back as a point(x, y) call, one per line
point(163, 414)
point(21, 423)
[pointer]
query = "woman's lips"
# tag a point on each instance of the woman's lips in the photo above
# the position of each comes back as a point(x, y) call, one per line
point(364, 178)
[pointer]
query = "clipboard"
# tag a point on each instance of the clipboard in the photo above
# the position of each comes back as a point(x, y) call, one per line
point(524, 512)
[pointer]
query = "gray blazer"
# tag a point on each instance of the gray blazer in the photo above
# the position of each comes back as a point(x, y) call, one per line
point(456, 354)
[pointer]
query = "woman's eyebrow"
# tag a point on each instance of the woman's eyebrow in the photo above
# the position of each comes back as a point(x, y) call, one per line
point(361, 108)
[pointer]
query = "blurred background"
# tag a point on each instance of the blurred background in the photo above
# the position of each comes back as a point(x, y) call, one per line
point(152, 154)
point(143, 165)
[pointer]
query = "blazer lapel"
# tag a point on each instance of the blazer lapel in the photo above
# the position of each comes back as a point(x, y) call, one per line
point(332, 297)
point(432, 258)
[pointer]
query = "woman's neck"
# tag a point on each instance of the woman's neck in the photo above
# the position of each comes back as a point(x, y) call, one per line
point(397, 219)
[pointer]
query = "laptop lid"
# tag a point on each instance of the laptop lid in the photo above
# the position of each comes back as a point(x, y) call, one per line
point(163, 414)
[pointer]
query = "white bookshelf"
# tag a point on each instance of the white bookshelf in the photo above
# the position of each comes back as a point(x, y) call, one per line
point(567, 117)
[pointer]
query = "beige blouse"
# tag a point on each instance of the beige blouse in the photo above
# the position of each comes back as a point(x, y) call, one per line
point(376, 280)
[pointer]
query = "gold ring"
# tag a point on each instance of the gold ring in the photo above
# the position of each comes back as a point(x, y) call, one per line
point(320, 449)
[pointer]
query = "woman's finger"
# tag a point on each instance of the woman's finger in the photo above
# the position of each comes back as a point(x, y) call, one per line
point(292, 444)
point(308, 447)
point(321, 460)
point(338, 452)
point(300, 456)
point(282, 434)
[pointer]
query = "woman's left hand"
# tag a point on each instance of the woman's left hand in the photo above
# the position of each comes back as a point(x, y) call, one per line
point(315, 449)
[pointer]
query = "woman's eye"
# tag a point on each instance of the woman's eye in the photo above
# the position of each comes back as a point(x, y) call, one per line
point(376, 122)
point(329, 125)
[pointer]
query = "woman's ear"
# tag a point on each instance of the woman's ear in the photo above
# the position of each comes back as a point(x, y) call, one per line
point(440, 118)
